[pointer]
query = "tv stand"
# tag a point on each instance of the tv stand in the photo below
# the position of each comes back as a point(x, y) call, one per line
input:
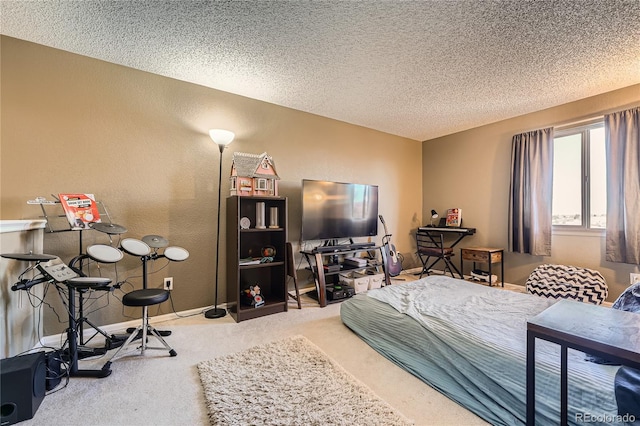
point(315, 259)
point(345, 247)
point(334, 243)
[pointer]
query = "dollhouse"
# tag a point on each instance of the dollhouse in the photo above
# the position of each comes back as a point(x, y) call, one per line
point(253, 175)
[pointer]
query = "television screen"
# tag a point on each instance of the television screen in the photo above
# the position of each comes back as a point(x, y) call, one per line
point(334, 210)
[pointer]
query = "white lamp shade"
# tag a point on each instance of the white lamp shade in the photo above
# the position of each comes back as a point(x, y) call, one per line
point(221, 137)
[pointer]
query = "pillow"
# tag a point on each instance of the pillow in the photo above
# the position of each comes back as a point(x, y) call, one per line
point(628, 301)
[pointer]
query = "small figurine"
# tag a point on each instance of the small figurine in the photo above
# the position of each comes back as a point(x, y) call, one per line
point(252, 296)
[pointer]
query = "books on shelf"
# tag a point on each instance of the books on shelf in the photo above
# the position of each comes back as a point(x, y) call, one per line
point(250, 261)
point(80, 209)
point(454, 217)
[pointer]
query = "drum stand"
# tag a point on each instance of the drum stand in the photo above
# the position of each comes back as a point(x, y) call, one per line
point(111, 341)
point(76, 324)
point(74, 352)
point(82, 285)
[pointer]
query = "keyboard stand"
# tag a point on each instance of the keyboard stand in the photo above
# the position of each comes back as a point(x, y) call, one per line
point(72, 331)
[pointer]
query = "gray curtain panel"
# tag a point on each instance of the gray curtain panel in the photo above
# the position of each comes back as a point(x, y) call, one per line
point(622, 140)
point(531, 192)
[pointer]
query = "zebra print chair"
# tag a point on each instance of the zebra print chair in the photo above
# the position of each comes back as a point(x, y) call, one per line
point(568, 282)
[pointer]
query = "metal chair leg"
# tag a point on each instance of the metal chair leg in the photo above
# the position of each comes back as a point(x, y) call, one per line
point(156, 333)
point(145, 329)
point(124, 345)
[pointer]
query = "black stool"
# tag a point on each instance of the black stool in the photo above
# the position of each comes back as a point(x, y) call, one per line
point(144, 298)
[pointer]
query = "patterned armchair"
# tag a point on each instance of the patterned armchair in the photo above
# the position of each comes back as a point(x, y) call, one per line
point(568, 282)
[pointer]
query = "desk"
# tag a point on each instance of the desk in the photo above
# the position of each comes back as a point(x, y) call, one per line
point(431, 237)
point(585, 327)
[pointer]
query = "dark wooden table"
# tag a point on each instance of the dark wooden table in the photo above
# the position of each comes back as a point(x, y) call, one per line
point(600, 331)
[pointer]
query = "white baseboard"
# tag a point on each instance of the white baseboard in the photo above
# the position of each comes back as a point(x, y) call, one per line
point(54, 339)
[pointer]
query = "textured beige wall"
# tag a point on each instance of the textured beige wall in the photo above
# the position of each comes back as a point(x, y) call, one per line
point(471, 170)
point(140, 143)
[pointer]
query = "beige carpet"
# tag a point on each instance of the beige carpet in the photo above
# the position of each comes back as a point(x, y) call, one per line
point(289, 382)
point(160, 390)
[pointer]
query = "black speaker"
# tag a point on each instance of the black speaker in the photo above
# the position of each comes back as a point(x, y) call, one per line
point(54, 370)
point(23, 385)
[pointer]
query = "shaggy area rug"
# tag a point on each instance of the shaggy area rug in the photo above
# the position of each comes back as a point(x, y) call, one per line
point(289, 382)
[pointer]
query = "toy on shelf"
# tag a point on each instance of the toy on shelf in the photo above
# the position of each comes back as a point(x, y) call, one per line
point(252, 296)
point(253, 175)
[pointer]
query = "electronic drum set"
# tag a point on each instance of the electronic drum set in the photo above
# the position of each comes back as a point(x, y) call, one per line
point(49, 268)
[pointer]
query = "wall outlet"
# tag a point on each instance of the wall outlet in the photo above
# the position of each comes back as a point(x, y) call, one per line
point(634, 278)
point(168, 283)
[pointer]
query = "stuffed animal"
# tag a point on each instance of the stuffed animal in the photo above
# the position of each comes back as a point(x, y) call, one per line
point(253, 297)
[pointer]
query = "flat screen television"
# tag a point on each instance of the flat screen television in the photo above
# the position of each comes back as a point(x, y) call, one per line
point(335, 210)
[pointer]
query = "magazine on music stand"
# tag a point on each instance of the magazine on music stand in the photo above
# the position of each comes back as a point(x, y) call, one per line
point(80, 209)
point(454, 218)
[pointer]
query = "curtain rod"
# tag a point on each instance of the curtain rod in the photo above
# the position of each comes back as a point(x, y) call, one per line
point(579, 122)
point(598, 117)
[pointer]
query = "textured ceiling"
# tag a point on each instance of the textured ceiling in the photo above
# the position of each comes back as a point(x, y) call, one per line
point(419, 69)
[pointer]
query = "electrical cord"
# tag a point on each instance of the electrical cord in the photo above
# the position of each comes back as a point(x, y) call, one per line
point(173, 309)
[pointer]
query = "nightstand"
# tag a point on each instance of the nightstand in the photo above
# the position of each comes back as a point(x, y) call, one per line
point(483, 255)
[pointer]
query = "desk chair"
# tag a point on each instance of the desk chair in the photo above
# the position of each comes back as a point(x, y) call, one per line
point(291, 272)
point(430, 244)
point(144, 298)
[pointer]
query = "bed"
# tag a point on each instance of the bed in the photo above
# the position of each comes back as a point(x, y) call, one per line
point(468, 341)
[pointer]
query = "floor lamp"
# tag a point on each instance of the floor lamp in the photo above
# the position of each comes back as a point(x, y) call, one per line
point(222, 138)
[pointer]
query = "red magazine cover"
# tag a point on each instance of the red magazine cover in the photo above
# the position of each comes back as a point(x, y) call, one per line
point(454, 217)
point(81, 209)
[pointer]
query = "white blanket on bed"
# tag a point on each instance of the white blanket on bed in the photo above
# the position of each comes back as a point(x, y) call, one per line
point(495, 316)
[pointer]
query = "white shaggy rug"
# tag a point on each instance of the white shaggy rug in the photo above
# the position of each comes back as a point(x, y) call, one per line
point(289, 382)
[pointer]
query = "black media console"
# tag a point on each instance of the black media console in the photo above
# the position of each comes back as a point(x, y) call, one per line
point(334, 266)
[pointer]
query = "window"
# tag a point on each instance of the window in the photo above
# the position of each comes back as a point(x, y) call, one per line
point(245, 185)
point(579, 177)
point(261, 184)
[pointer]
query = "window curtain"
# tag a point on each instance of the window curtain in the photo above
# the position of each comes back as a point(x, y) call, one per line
point(622, 141)
point(531, 192)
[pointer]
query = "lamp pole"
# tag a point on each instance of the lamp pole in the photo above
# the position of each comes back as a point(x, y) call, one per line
point(222, 138)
